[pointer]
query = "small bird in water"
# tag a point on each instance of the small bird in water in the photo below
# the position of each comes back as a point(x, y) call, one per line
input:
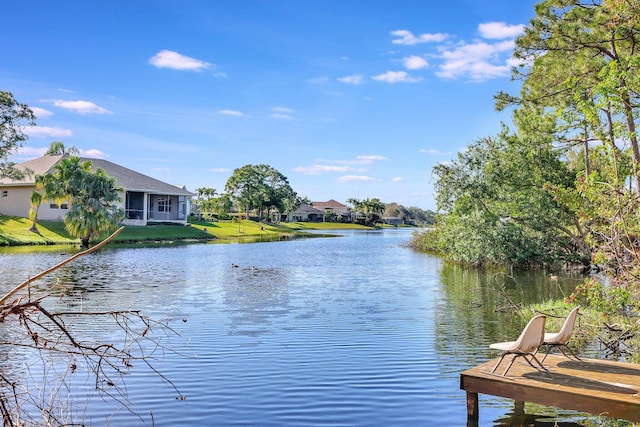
point(234, 265)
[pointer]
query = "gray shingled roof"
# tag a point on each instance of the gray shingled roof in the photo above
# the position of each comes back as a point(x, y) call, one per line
point(38, 166)
point(126, 178)
point(135, 181)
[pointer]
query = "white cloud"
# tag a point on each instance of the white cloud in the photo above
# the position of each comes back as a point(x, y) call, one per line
point(395, 77)
point(219, 170)
point(93, 153)
point(355, 178)
point(80, 107)
point(480, 60)
point(398, 179)
point(282, 116)
point(230, 113)
point(435, 152)
point(318, 169)
point(339, 165)
point(359, 160)
point(370, 159)
point(354, 79)
point(41, 113)
point(406, 37)
point(282, 113)
point(500, 30)
point(477, 61)
point(170, 59)
point(45, 131)
point(415, 62)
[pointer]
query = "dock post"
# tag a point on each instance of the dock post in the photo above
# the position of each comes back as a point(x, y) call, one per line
point(472, 409)
point(518, 407)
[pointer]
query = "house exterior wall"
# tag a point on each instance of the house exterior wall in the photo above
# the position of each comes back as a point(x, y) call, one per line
point(18, 203)
point(15, 201)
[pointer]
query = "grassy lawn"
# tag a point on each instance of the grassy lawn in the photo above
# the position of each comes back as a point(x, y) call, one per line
point(15, 231)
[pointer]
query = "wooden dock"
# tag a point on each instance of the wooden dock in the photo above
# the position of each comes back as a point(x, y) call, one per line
point(593, 386)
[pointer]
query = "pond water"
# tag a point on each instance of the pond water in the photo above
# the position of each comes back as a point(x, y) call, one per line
point(356, 330)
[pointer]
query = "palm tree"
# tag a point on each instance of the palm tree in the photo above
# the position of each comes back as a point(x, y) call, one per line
point(46, 187)
point(36, 199)
point(372, 209)
point(93, 210)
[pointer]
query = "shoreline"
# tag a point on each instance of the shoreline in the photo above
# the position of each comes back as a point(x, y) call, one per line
point(14, 232)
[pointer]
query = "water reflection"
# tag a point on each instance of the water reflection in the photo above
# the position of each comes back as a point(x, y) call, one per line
point(254, 296)
point(519, 418)
point(356, 330)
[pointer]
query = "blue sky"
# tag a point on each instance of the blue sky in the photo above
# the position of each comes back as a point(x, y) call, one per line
point(346, 98)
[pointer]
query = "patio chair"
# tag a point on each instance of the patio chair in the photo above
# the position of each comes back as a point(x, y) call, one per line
point(525, 346)
point(561, 339)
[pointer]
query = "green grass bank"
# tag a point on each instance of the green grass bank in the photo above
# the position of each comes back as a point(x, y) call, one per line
point(14, 231)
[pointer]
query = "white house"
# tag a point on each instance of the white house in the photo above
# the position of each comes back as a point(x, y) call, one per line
point(144, 199)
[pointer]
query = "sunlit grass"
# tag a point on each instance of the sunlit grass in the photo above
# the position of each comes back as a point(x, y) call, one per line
point(15, 231)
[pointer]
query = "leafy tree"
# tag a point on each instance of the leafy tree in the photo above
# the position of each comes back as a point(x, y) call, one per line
point(58, 148)
point(260, 188)
point(499, 208)
point(581, 83)
point(13, 115)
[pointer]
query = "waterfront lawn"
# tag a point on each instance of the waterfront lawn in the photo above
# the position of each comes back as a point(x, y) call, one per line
point(15, 231)
point(232, 230)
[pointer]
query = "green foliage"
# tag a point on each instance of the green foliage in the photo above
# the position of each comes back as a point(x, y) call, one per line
point(412, 213)
point(261, 188)
point(371, 209)
point(58, 148)
point(498, 207)
point(93, 197)
point(211, 207)
point(565, 187)
point(604, 297)
point(13, 116)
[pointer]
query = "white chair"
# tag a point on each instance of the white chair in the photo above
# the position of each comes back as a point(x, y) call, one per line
point(561, 339)
point(525, 346)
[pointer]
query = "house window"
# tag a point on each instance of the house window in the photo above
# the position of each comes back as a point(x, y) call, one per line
point(54, 205)
point(164, 205)
point(5, 193)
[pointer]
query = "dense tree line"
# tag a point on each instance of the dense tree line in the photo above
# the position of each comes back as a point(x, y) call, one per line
point(562, 185)
point(411, 214)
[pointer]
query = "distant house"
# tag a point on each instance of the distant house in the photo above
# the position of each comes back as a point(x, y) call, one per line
point(343, 212)
point(392, 220)
point(306, 213)
point(144, 199)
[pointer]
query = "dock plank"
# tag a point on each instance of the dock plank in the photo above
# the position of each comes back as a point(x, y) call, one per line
point(599, 387)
